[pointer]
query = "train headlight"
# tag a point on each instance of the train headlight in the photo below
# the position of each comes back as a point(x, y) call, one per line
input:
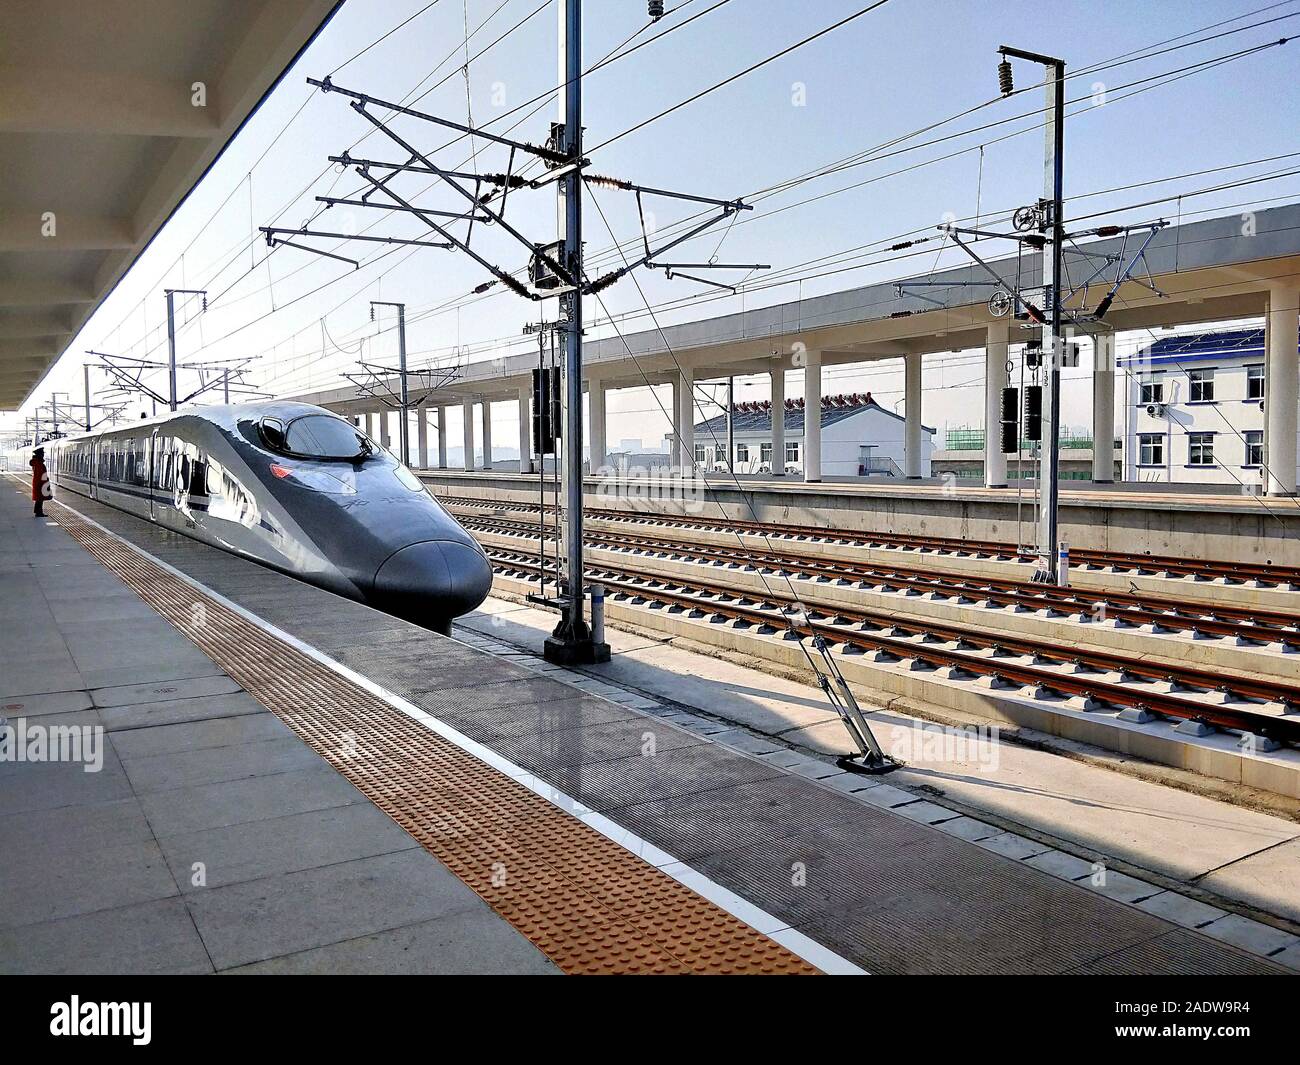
point(317, 480)
point(408, 479)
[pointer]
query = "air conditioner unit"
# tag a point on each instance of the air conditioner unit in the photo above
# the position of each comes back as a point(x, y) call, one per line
point(1156, 410)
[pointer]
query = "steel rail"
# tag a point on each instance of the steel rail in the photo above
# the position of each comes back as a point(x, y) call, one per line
point(863, 630)
point(1266, 574)
point(1252, 626)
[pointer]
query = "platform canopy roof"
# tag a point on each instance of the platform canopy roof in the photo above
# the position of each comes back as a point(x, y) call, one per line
point(100, 141)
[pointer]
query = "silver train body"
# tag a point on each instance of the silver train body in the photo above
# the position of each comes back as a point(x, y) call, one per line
point(272, 482)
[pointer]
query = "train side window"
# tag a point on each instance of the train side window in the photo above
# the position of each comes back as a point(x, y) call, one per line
point(198, 477)
point(142, 464)
point(140, 457)
point(166, 456)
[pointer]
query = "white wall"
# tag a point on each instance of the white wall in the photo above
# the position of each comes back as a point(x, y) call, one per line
point(1229, 418)
point(841, 445)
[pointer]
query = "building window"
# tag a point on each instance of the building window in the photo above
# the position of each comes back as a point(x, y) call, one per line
point(791, 453)
point(1202, 386)
point(1151, 390)
point(699, 452)
point(1254, 447)
point(1200, 449)
point(1151, 449)
point(765, 453)
point(742, 452)
point(1254, 382)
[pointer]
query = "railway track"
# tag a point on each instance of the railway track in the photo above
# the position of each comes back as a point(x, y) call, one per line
point(1266, 709)
point(1249, 626)
point(1264, 575)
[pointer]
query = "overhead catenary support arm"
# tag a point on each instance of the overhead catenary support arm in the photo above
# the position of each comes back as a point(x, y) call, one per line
point(280, 241)
point(505, 180)
point(273, 237)
point(501, 275)
point(331, 201)
point(361, 99)
point(446, 177)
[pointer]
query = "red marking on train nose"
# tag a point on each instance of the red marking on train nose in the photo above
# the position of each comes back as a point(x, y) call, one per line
point(280, 471)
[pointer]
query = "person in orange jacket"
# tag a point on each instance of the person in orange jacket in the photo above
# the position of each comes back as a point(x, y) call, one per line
point(40, 482)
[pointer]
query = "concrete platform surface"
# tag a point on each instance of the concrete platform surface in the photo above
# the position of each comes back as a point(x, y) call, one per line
point(207, 836)
point(1197, 840)
point(295, 877)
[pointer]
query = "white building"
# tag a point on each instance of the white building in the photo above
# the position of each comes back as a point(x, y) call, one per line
point(1194, 410)
point(859, 438)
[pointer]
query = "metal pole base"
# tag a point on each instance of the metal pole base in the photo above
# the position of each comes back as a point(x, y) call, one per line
point(565, 647)
point(868, 764)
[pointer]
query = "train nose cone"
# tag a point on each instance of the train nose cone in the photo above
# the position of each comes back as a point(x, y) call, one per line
point(434, 581)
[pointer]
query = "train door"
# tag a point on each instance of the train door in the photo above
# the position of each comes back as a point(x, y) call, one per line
point(92, 475)
point(153, 474)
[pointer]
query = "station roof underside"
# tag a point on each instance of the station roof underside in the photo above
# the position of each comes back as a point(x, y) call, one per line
point(101, 141)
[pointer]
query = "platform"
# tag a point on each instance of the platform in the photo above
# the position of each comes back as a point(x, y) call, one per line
point(211, 837)
point(457, 809)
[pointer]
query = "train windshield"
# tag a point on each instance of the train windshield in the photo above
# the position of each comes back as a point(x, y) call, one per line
point(324, 437)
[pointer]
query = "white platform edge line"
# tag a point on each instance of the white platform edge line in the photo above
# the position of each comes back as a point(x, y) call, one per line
point(743, 910)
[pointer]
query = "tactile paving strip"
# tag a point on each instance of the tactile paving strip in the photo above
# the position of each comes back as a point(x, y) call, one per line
point(588, 904)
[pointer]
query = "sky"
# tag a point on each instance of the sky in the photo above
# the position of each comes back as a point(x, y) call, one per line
point(882, 76)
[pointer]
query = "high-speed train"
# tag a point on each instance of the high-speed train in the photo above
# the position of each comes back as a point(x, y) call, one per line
point(291, 486)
